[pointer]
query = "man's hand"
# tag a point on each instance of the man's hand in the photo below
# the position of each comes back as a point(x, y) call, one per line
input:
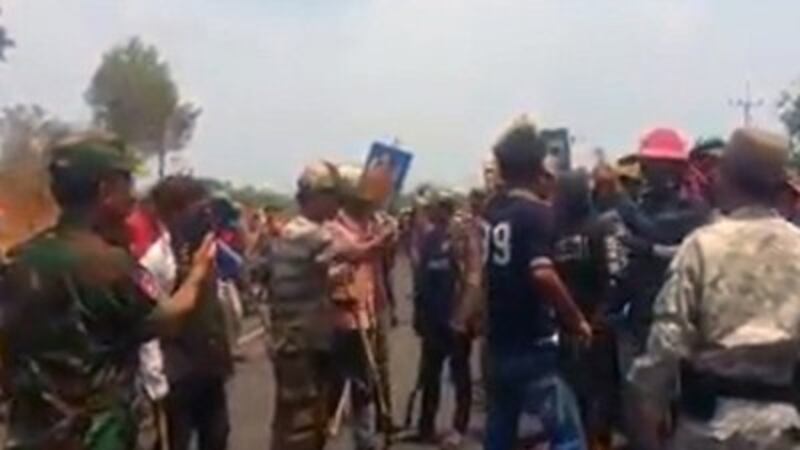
point(203, 258)
point(546, 278)
point(583, 331)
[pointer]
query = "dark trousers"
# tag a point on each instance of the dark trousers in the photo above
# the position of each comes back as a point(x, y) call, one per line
point(434, 354)
point(198, 406)
point(350, 364)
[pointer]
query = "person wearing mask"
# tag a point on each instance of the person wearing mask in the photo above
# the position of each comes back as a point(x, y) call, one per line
point(77, 307)
point(724, 336)
point(655, 225)
point(527, 300)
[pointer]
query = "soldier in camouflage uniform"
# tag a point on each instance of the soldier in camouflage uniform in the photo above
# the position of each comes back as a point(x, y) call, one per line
point(76, 307)
point(725, 330)
point(299, 276)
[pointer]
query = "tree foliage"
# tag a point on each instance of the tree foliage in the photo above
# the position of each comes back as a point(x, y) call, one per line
point(26, 207)
point(5, 42)
point(789, 111)
point(249, 195)
point(26, 131)
point(133, 95)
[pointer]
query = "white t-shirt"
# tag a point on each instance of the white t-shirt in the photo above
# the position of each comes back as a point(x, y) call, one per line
point(159, 260)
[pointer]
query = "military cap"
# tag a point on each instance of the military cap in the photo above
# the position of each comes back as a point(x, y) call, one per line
point(757, 153)
point(759, 145)
point(707, 148)
point(91, 154)
point(350, 180)
point(442, 197)
point(320, 176)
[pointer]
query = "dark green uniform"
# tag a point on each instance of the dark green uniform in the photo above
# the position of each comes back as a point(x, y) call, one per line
point(75, 310)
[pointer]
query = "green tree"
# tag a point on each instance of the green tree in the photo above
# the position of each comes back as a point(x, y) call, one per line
point(5, 42)
point(249, 195)
point(25, 132)
point(789, 113)
point(133, 94)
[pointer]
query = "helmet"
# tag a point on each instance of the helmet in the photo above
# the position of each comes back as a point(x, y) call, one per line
point(664, 144)
point(320, 176)
point(350, 179)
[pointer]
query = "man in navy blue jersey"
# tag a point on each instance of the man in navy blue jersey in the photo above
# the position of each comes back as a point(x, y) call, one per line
point(527, 303)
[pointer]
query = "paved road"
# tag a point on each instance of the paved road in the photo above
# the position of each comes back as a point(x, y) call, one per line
point(251, 391)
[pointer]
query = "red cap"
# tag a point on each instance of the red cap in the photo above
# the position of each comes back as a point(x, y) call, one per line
point(665, 144)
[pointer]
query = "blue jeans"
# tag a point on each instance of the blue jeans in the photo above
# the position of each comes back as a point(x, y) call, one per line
point(524, 387)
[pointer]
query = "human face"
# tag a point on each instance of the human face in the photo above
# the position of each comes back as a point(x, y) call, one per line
point(328, 204)
point(662, 175)
point(320, 206)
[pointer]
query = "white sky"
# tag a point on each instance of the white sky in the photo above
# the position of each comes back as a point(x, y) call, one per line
point(286, 82)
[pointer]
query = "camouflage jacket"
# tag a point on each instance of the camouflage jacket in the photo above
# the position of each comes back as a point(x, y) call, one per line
point(74, 312)
point(730, 307)
point(299, 276)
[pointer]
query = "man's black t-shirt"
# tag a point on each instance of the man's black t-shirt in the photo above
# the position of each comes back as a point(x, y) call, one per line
point(519, 237)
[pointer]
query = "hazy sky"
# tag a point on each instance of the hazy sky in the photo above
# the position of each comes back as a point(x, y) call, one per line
point(283, 82)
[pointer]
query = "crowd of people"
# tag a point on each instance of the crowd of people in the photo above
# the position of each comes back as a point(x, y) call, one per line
point(650, 303)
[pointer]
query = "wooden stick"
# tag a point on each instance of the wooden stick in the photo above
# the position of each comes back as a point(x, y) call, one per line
point(161, 423)
point(335, 423)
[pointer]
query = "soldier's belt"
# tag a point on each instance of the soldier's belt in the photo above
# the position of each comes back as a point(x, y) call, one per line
point(701, 391)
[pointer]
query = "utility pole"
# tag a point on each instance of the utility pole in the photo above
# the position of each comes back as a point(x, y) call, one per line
point(747, 104)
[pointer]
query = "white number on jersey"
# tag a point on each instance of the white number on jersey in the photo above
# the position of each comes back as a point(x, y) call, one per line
point(497, 241)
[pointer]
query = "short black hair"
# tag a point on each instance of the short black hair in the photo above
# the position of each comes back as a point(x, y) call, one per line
point(520, 152)
point(175, 193)
point(72, 189)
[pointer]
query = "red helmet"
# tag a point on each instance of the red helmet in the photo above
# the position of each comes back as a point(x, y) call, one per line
point(664, 144)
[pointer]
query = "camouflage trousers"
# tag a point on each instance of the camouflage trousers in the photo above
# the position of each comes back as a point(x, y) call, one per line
point(687, 438)
point(302, 400)
point(110, 429)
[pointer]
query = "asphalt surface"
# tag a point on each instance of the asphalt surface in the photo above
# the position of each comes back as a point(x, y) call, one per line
point(251, 390)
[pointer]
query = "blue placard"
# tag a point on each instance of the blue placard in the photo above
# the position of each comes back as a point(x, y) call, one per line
point(385, 172)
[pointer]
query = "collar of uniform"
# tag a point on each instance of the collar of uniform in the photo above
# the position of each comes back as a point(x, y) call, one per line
point(753, 212)
point(527, 195)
